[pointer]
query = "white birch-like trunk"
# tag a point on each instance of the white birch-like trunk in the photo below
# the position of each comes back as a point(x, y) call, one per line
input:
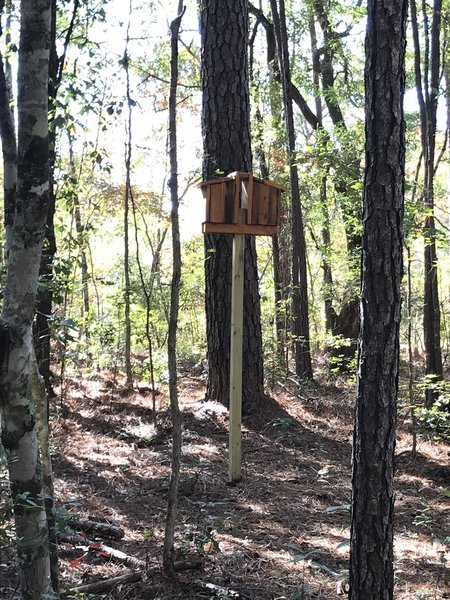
point(19, 435)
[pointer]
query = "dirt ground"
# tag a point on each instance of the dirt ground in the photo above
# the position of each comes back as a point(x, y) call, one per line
point(280, 534)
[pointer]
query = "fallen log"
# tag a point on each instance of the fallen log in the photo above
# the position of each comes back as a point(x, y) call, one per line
point(106, 585)
point(83, 544)
point(70, 537)
point(112, 532)
point(107, 552)
point(127, 559)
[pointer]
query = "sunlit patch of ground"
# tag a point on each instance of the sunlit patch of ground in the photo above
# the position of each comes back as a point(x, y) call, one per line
point(282, 532)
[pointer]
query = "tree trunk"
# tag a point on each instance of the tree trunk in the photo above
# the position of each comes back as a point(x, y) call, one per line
point(40, 400)
point(281, 247)
point(349, 198)
point(82, 242)
point(126, 229)
point(427, 86)
point(19, 435)
point(9, 148)
point(226, 143)
point(168, 554)
point(346, 322)
point(300, 310)
point(432, 311)
point(44, 302)
point(326, 235)
point(371, 552)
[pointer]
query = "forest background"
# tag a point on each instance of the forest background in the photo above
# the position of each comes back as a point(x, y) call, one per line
point(91, 126)
point(109, 282)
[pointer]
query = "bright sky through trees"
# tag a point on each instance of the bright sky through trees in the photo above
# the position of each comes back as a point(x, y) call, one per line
point(148, 35)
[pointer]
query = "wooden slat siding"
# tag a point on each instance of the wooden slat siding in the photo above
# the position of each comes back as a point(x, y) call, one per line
point(263, 212)
point(228, 191)
point(237, 197)
point(223, 199)
point(250, 191)
point(274, 198)
point(208, 202)
point(278, 208)
point(217, 204)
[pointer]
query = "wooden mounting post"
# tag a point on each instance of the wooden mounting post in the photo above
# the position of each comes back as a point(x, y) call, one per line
point(237, 314)
point(239, 204)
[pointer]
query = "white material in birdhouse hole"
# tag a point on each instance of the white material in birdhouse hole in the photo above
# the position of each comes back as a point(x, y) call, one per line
point(244, 194)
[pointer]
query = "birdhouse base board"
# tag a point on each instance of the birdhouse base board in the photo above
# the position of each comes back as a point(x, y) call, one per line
point(239, 229)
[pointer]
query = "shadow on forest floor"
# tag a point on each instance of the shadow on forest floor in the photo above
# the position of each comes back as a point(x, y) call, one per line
point(293, 498)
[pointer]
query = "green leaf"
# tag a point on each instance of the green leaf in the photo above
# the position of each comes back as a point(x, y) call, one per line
point(358, 185)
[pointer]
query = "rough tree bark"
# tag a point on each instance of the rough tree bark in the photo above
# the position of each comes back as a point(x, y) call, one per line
point(19, 436)
point(226, 144)
point(371, 552)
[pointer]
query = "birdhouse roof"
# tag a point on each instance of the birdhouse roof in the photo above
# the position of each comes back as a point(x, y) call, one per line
point(242, 175)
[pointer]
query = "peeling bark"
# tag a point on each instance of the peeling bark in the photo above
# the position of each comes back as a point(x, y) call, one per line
point(19, 435)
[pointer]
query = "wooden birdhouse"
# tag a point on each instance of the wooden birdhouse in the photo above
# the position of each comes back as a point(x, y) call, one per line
point(241, 203)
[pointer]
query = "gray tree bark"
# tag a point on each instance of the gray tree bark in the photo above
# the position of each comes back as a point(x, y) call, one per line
point(9, 149)
point(169, 535)
point(19, 436)
point(371, 552)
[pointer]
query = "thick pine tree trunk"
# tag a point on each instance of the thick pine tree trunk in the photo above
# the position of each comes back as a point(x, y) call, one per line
point(371, 554)
point(226, 143)
point(19, 436)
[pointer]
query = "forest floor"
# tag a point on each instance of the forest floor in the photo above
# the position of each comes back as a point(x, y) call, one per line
point(280, 534)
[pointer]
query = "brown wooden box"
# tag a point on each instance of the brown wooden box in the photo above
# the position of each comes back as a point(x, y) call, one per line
point(242, 203)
